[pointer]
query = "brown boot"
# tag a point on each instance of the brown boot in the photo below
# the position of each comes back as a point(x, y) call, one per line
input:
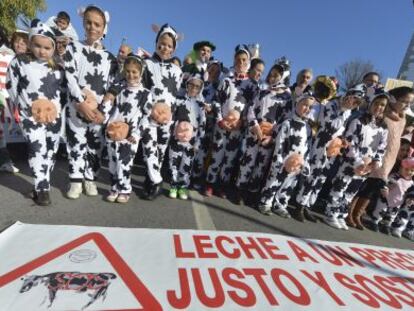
point(358, 211)
point(349, 219)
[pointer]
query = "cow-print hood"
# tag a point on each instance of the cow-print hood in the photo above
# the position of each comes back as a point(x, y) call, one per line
point(197, 76)
point(40, 29)
point(167, 29)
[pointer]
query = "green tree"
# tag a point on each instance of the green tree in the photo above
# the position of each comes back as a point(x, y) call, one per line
point(11, 9)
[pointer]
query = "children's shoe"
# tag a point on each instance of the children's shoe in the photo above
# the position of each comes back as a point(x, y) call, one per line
point(75, 190)
point(343, 224)
point(409, 235)
point(122, 198)
point(42, 198)
point(112, 196)
point(265, 209)
point(183, 193)
point(332, 222)
point(173, 193)
point(208, 192)
point(396, 233)
point(9, 168)
point(281, 212)
point(90, 188)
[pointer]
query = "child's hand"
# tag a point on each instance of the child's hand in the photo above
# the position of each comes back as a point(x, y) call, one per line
point(207, 108)
point(384, 192)
point(132, 139)
point(99, 117)
point(374, 165)
point(257, 131)
point(109, 98)
point(86, 112)
point(224, 125)
point(266, 140)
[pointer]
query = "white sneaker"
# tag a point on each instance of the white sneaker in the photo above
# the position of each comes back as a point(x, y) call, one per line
point(9, 168)
point(112, 196)
point(75, 190)
point(332, 222)
point(281, 212)
point(396, 233)
point(343, 224)
point(90, 188)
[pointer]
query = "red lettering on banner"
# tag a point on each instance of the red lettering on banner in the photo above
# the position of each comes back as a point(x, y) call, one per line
point(320, 280)
point(386, 258)
point(302, 298)
point(249, 298)
point(185, 299)
point(218, 298)
point(406, 258)
point(300, 253)
point(179, 253)
point(347, 258)
point(399, 293)
point(365, 255)
point(258, 276)
point(251, 245)
point(219, 243)
point(359, 293)
point(201, 245)
point(406, 282)
point(325, 253)
point(270, 249)
point(390, 300)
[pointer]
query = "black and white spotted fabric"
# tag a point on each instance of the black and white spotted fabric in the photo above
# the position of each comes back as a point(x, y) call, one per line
point(93, 69)
point(332, 120)
point(200, 159)
point(366, 139)
point(404, 220)
point(27, 81)
point(131, 105)
point(163, 79)
point(272, 106)
point(181, 154)
point(293, 136)
point(232, 94)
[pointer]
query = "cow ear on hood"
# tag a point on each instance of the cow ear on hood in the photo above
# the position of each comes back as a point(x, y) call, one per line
point(155, 28)
point(180, 36)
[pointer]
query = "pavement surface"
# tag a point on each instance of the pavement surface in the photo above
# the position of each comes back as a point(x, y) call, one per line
point(198, 212)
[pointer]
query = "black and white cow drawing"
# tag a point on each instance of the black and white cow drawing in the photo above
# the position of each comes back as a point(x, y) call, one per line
point(77, 281)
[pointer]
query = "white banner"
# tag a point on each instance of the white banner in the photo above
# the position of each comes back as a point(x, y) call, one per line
point(46, 267)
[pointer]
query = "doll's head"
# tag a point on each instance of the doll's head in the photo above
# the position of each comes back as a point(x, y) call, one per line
point(334, 147)
point(266, 128)
point(294, 163)
point(184, 131)
point(161, 113)
point(118, 130)
point(44, 111)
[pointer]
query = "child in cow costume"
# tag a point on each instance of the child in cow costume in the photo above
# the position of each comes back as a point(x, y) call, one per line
point(290, 158)
point(270, 109)
point(163, 78)
point(36, 86)
point(122, 130)
point(366, 137)
point(326, 146)
point(403, 224)
point(189, 131)
point(234, 95)
point(89, 69)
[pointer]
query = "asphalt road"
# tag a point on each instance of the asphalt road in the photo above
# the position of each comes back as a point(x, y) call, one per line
point(196, 213)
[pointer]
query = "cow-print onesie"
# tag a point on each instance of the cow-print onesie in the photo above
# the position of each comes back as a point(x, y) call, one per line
point(163, 79)
point(272, 106)
point(181, 154)
point(27, 81)
point(93, 69)
point(232, 94)
point(404, 221)
point(131, 105)
point(293, 136)
point(331, 125)
point(200, 159)
point(366, 138)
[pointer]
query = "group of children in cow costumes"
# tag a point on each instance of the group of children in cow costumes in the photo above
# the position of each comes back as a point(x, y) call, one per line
point(270, 141)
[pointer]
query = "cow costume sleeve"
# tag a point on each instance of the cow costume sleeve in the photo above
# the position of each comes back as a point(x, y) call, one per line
point(72, 73)
point(220, 97)
point(251, 112)
point(382, 145)
point(281, 146)
point(353, 136)
point(12, 82)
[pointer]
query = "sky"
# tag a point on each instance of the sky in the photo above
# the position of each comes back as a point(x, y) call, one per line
point(320, 34)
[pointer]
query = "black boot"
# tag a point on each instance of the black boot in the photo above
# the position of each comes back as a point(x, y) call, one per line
point(309, 216)
point(41, 198)
point(154, 192)
point(298, 213)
